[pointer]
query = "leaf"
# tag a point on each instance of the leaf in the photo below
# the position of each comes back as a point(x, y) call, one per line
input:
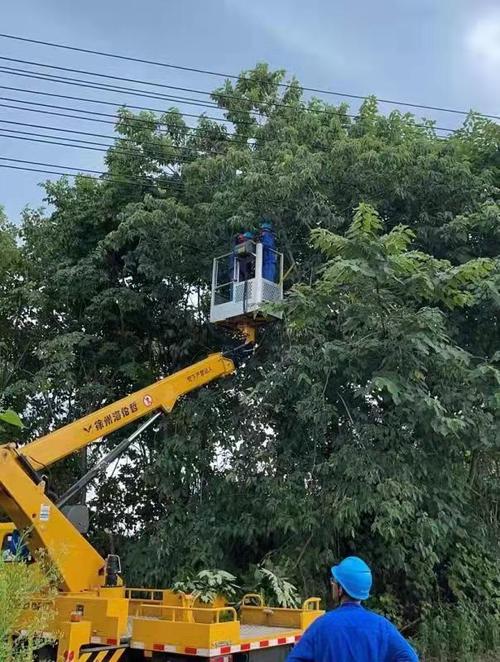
point(390, 384)
point(11, 418)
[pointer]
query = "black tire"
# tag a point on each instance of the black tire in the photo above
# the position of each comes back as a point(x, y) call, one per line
point(46, 654)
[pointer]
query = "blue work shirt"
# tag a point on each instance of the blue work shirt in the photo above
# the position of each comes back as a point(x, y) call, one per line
point(352, 633)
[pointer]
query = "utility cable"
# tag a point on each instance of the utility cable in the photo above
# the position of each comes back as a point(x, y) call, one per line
point(192, 101)
point(108, 103)
point(209, 72)
point(102, 135)
point(84, 172)
point(86, 72)
point(94, 85)
point(194, 129)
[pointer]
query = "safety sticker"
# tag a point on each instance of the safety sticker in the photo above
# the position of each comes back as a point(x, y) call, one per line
point(44, 513)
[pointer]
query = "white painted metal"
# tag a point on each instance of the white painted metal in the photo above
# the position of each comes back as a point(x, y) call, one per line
point(236, 298)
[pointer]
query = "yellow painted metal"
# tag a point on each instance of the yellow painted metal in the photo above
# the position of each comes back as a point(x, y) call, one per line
point(160, 395)
point(248, 330)
point(297, 619)
point(145, 601)
point(79, 565)
point(106, 610)
point(72, 636)
point(6, 528)
point(157, 625)
point(99, 657)
point(171, 626)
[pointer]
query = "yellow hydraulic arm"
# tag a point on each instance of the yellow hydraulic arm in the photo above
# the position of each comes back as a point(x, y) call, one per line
point(161, 395)
point(22, 493)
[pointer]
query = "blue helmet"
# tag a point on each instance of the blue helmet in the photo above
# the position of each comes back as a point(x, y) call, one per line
point(266, 225)
point(355, 577)
point(248, 235)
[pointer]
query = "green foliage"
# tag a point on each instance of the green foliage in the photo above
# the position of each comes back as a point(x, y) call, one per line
point(275, 588)
point(21, 585)
point(271, 584)
point(207, 585)
point(457, 633)
point(368, 420)
point(10, 417)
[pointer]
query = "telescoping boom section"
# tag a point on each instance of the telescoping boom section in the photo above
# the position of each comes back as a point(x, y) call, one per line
point(160, 395)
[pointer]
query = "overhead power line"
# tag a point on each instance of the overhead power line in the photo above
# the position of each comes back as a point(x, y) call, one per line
point(86, 72)
point(111, 103)
point(232, 76)
point(87, 144)
point(234, 138)
point(127, 105)
point(92, 84)
point(136, 92)
point(199, 153)
point(83, 172)
point(79, 82)
point(102, 87)
point(45, 171)
point(88, 133)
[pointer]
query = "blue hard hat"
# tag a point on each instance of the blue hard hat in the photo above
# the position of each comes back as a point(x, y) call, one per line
point(248, 235)
point(266, 225)
point(355, 577)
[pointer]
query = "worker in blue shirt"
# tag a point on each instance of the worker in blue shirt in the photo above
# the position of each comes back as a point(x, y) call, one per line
point(16, 549)
point(352, 633)
point(269, 257)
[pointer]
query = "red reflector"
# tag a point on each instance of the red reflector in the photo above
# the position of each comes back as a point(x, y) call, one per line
point(190, 651)
point(281, 640)
point(112, 642)
point(264, 643)
point(157, 647)
point(297, 637)
point(245, 647)
point(225, 649)
point(69, 656)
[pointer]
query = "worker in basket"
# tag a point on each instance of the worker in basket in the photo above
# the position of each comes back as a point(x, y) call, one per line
point(243, 256)
point(269, 255)
point(352, 633)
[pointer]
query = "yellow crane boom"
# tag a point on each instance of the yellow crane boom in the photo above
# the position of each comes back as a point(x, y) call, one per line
point(22, 492)
point(161, 395)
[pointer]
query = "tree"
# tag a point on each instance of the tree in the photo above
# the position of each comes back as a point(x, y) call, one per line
point(378, 415)
point(113, 294)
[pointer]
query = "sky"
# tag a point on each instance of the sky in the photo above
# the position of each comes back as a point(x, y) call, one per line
point(433, 52)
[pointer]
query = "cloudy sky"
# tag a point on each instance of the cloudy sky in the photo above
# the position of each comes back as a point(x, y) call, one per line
point(434, 52)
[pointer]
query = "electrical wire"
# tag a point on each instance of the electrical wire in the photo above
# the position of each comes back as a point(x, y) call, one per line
point(193, 129)
point(181, 157)
point(233, 76)
point(94, 146)
point(82, 144)
point(83, 172)
point(108, 103)
point(190, 101)
point(86, 72)
point(102, 135)
point(183, 148)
